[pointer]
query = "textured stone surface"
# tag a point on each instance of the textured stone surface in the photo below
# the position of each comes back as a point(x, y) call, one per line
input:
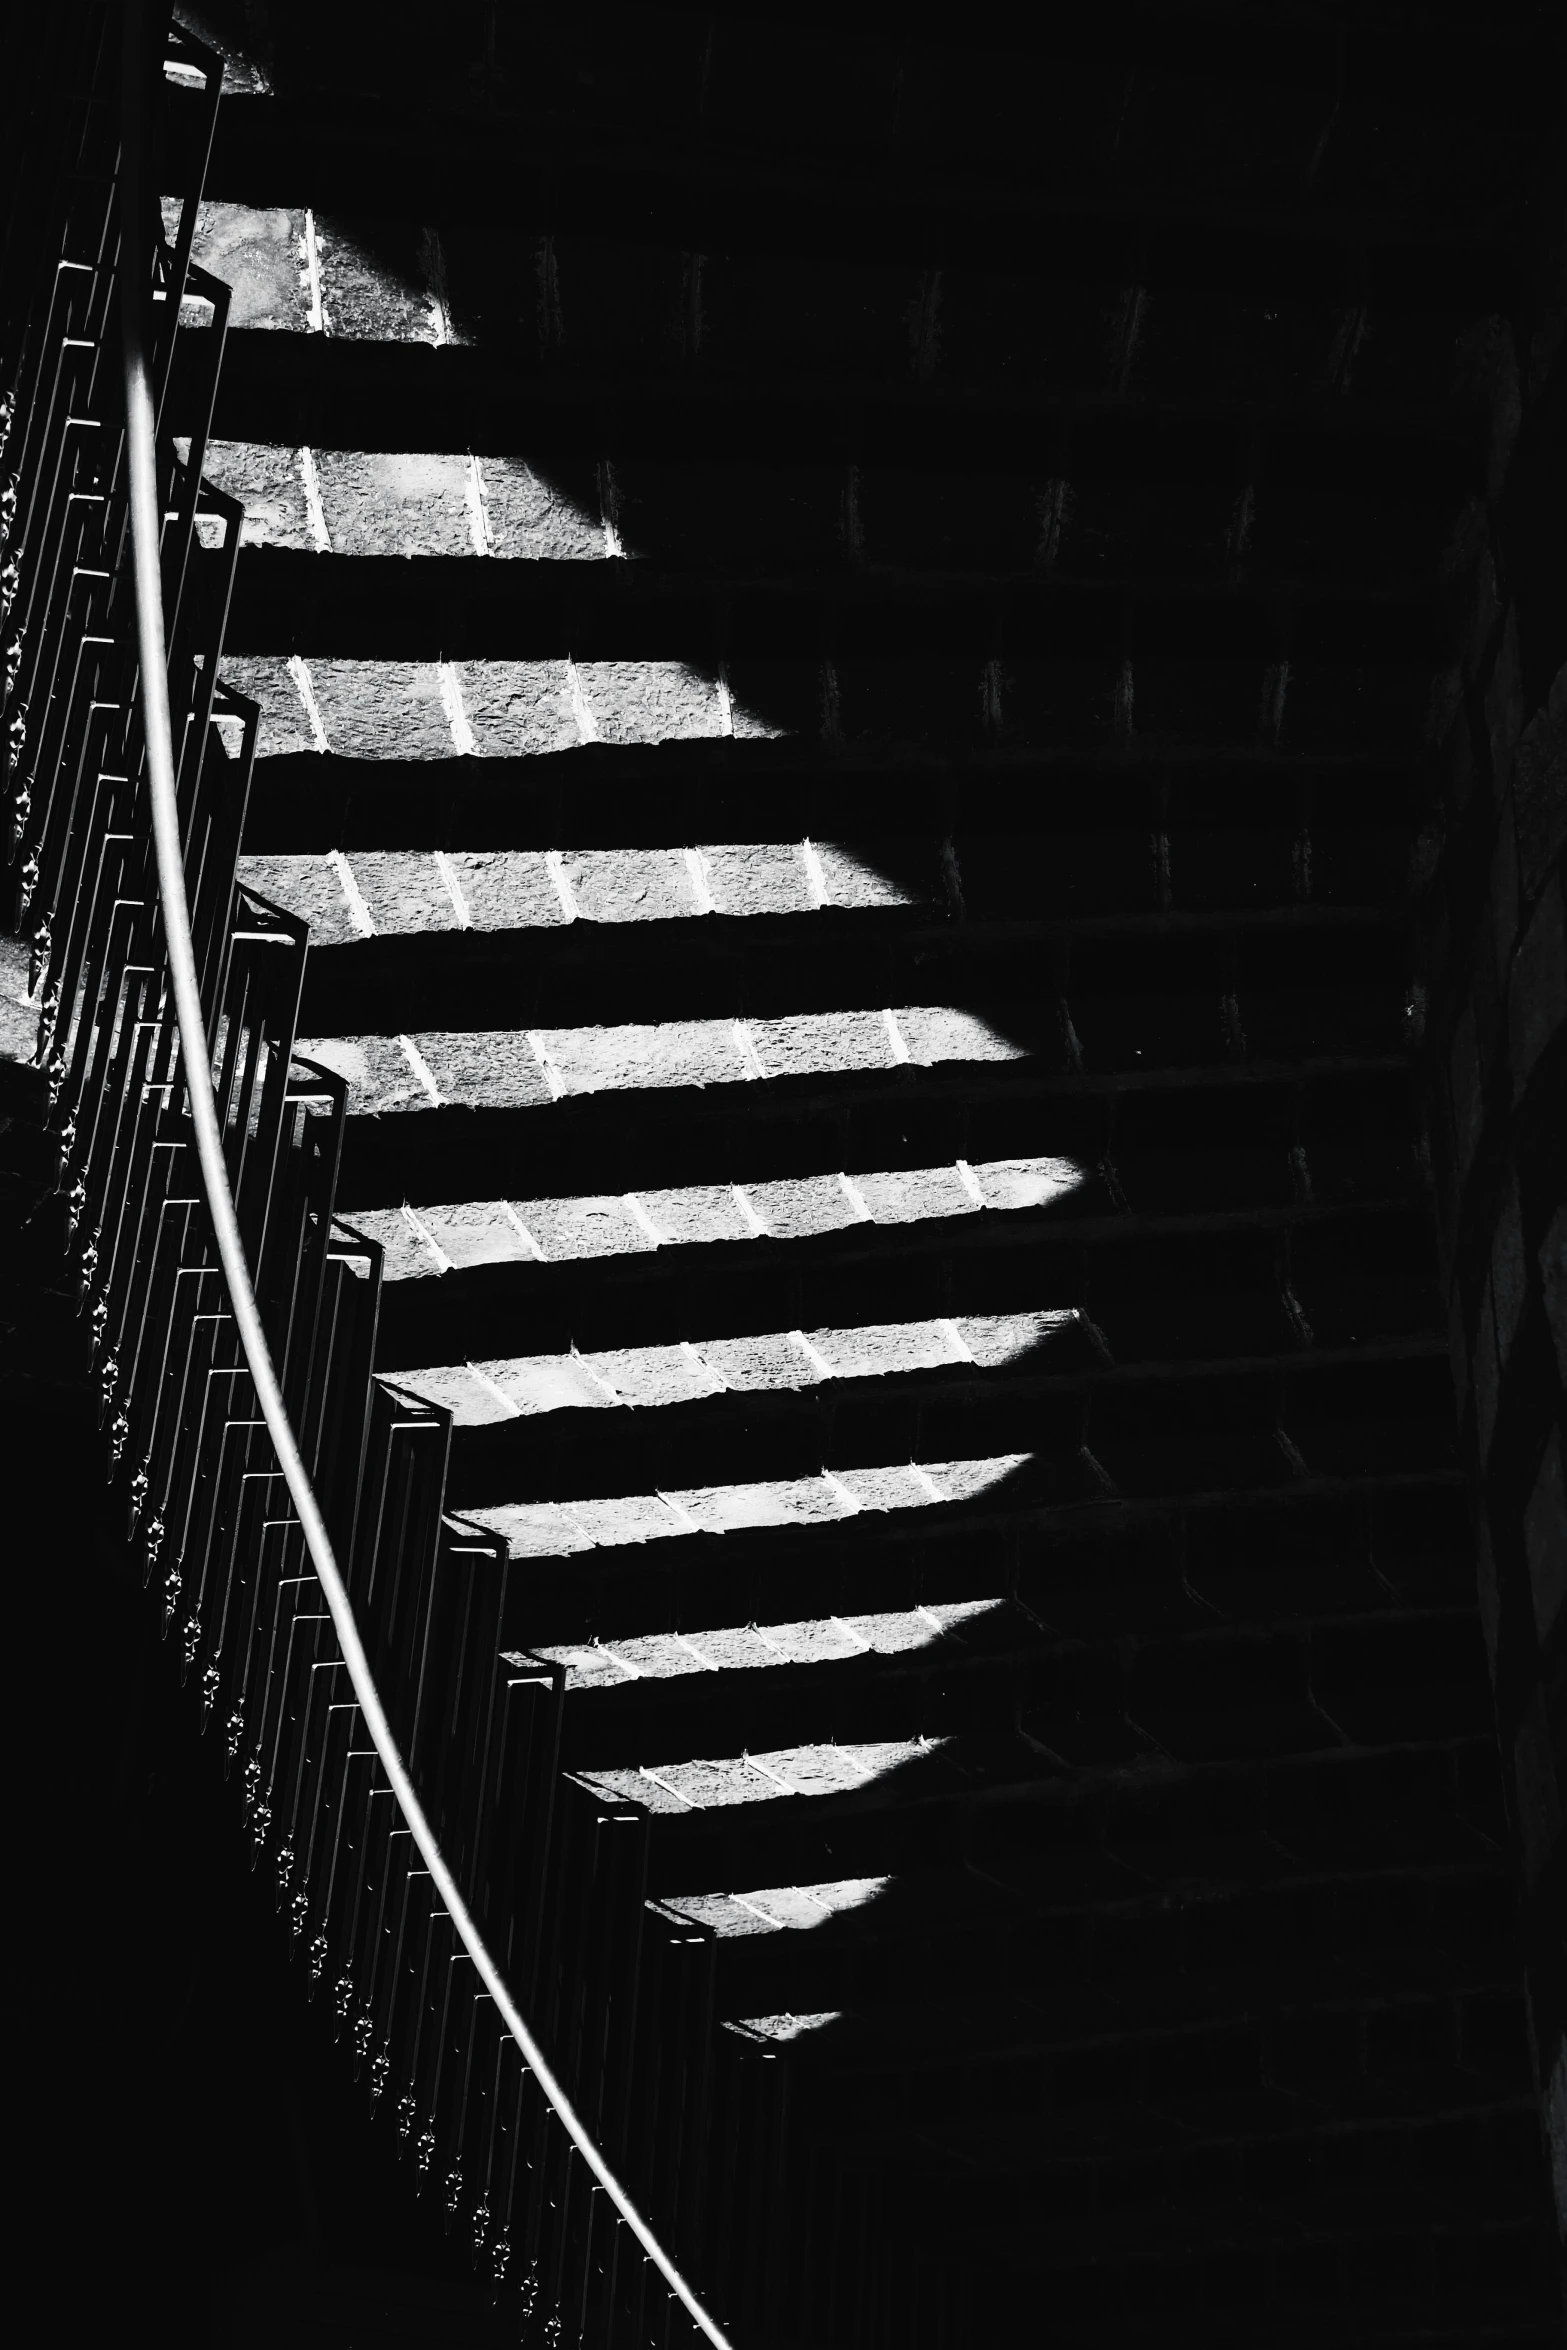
point(560, 1529)
point(386, 504)
point(382, 709)
point(269, 484)
point(307, 886)
point(258, 255)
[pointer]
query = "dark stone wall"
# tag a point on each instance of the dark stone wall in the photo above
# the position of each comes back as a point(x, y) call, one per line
point(1496, 938)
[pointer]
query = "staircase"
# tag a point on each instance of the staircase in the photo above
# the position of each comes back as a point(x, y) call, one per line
point(845, 628)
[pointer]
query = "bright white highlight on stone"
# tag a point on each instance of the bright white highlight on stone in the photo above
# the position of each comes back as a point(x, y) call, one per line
point(317, 318)
point(715, 1379)
point(726, 708)
point(521, 1229)
point(644, 1220)
point(587, 725)
point(453, 887)
point(456, 716)
point(548, 1069)
point(856, 1198)
point(512, 1410)
point(555, 867)
point(478, 510)
point(315, 512)
point(748, 1052)
point(814, 874)
point(899, 1050)
point(299, 671)
point(421, 1069)
point(696, 866)
point(821, 1368)
point(969, 1181)
point(353, 896)
point(426, 1239)
point(757, 1229)
point(961, 1350)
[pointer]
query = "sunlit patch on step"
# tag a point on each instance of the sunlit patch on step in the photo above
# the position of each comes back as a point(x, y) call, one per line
point(562, 1529)
point(510, 1068)
point(480, 1394)
point(540, 889)
point(552, 1231)
point(713, 1785)
point(754, 1648)
point(777, 1909)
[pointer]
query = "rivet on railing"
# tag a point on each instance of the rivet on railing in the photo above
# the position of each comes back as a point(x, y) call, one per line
point(16, 739)
point(38, 957)
point(47, 1016)
point(21, 810)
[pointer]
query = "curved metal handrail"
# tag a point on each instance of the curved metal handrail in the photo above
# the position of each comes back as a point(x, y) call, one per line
point(195, 1052)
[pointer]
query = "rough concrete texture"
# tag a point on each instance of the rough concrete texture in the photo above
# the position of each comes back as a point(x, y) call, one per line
point(382, 709)
point(629, 885)
point(517, 708)
point(776, 1909)
point(644, 1377)
point(702, 1785)
point(649, 701)
point(403, 894)
point(483, 1232)
point(269, 483)
point(407, 892)
point(528, 517)
point(367, 293)
point(285, 726)
point(258, 255)
point(307, 886)
point(395, 504)
point(561, 1529)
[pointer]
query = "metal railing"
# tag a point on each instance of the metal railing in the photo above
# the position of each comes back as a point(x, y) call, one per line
point(288, 1499)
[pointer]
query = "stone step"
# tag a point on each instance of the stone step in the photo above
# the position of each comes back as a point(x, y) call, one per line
point(342, 392)
point(774, 793)
point(368, 162)
point(486, 1278)
point(1140, 1432)
point(449, 607)
point(1150, 988)
point(1180, 1918)
point(890, 1807)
